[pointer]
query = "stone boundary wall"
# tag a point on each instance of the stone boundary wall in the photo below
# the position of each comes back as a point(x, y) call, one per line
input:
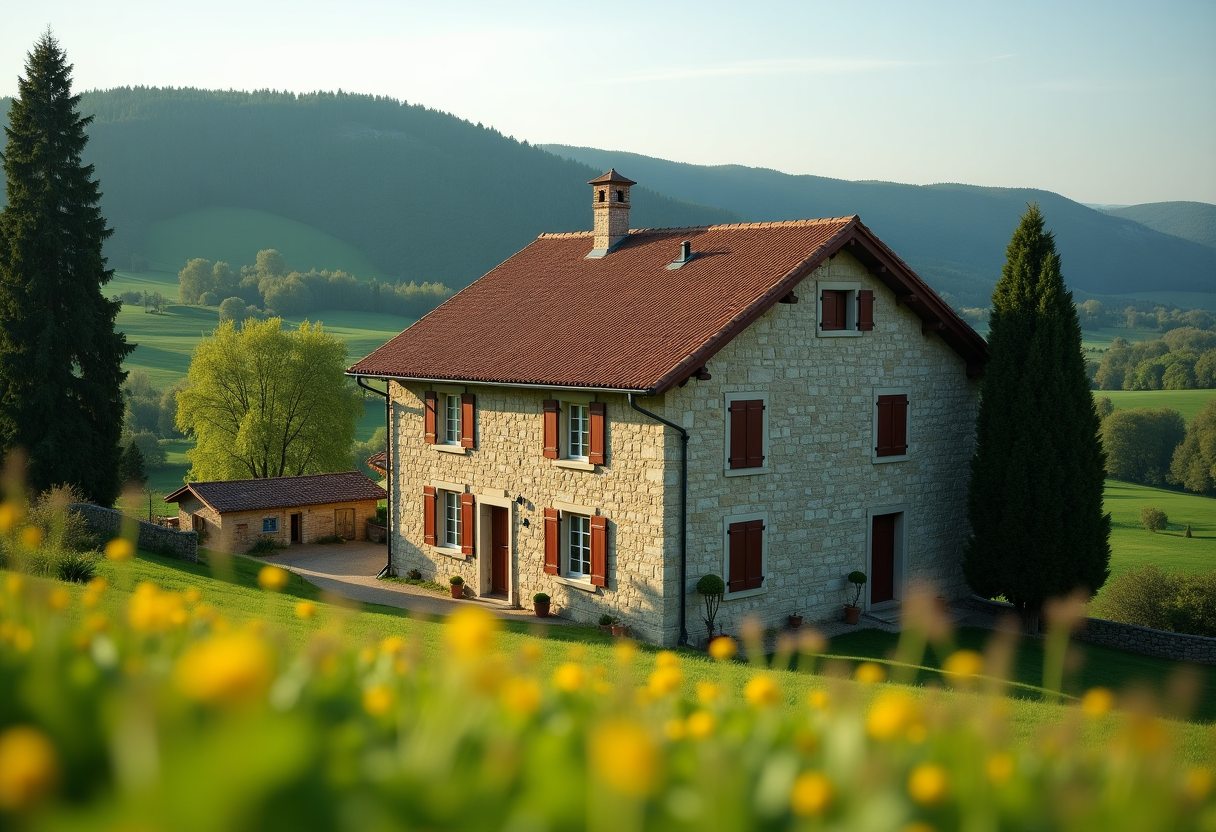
point(152, 538)
point(1181, 647)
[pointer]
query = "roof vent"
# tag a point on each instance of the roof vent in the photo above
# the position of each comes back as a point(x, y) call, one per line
point(684, 256)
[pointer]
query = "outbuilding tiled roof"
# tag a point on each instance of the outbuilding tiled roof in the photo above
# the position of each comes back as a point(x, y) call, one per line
point(282, 492)
point(548, 316)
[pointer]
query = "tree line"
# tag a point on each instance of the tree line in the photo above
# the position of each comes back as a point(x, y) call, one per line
point(267, 288)
point(1158, 447)
point(1182, 359)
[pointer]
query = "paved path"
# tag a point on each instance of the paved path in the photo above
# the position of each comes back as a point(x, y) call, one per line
point(349, 570)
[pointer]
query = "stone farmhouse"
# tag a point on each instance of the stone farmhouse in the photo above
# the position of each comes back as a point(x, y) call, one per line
point(610, 415)
point(235, 514)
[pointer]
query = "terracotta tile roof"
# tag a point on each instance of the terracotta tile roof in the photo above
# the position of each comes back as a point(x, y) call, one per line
point(282, 492)
point(378, 462)
point(550, 317)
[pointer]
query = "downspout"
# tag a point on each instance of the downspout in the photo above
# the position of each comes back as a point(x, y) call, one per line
point(683, 513)
point(387, 571)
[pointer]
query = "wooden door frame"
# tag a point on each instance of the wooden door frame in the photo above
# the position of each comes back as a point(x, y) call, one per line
point(900, 567)
point(484, 535)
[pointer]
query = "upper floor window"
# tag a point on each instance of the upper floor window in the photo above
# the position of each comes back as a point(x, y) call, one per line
point(578, 431)
point(890, 425)
point(746, 433)
point(575, 431)
point(450, 419)
point(845, 309)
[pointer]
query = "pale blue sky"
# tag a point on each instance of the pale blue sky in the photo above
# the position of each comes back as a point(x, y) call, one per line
point(1106, 102)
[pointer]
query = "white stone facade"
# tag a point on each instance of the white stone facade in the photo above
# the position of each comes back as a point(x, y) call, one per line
point(816, 494)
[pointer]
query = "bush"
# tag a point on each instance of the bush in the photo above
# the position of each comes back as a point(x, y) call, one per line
point(540, 597)
point(1162, 600)
point(331, 538)
point(382, 515)
point(263, 546)
point(1153, 519)
point(76, 568)
point(61, 527)
point(456, 580)
point(414, 574)
point(606, 620)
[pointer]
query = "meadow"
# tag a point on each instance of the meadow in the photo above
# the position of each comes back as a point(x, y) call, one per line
point(1186, 402)
point(1132, 544)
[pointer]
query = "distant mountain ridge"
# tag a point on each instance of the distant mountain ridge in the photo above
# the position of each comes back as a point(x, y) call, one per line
point(426, 196)
point(953, 235)
point(1194, 221)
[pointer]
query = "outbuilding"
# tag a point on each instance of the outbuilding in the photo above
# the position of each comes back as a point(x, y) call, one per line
point(233, 515)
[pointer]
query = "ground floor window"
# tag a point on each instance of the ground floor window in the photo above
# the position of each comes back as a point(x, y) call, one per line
point(451, 519)
point(270, 525)
point(578, 546)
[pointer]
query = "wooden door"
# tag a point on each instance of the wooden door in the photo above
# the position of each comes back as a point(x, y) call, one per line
point(500, 537)
point(882, 559)
point(344, 523)
point(295, 529)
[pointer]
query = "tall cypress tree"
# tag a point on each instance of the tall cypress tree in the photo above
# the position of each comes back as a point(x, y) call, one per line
point(1038, 529)
point(60, 358)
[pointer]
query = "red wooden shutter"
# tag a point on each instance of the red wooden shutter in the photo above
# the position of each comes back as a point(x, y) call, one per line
point(428, 514)
point(865, 310)
point(827, 304)
point(466, 524)
point(468, 425)
point(736, 534)
point(892, 439)
point(552, 541)
point(431, 407)
point(596, 455)
point(738, 434)
point(599, 551)
point(755, 433)
point(552, 407)
point(753, 569)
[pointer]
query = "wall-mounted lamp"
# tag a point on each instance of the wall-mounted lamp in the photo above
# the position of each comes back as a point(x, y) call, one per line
point(522, 500)
point(525, 522)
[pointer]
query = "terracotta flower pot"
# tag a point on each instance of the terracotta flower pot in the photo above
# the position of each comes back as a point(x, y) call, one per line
point(620, 630)
point(541, 608)
point(851, 614)
point(457, 590)
point(795, 622)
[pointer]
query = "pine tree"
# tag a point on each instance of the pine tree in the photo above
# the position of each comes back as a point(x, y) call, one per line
point(131, 467)
point(60, 358)
point(1038, 528)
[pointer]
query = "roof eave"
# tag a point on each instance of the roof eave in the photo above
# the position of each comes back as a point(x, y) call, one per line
point(379, 376)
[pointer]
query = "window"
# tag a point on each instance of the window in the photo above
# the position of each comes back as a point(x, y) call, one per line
point(270, 524)
point(746, 433)
point(451, 519)
point(890, 425)
point(449, 419)
point(602, 193)
point(845, 309)
point(745, 554)
point(447, 518)
point(575, 431)
point(576, 545)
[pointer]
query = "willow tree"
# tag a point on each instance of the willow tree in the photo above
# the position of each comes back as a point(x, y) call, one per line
point(262, 401)
point(1038, 528)
point(60, 357)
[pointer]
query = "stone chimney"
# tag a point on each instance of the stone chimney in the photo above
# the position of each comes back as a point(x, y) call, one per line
point(610, 210)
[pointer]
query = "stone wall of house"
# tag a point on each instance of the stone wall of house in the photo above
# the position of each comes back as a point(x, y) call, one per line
point(822, 483)
point(151, 538)
point(634, 491)
point(237, 531)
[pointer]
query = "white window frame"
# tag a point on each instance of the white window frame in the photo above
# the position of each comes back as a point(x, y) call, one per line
point(450, 525)
point(564, 576)
point(572, 525)
point(584, 445)
point(766, 447)
point(567, 399)
point(451, 426)
point(764, 545)
point(851, 288)
point(889, 391)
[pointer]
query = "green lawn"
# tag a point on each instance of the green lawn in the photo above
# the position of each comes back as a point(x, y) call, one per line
point(236, 235)
point(1095, 342)
point(1131, 544)
point(1186, 402)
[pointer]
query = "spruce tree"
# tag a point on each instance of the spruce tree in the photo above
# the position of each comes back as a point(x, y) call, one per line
point(1038, 528)
point(60, 358)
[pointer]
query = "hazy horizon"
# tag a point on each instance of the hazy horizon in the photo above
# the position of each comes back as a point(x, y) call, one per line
point(1111, 103)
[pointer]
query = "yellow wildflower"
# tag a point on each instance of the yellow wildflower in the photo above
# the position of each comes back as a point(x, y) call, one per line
point(530, 653)
point(1097, 701)
point(28, 767)
point(624, 756)
point(570, 677)
point(152, 611)
point(377, 700)
point(708, 693)
point(674, 729)
point(306, 609)
point(228, 668)
point(98, 585)
point(666, 658)
point(521, 696)
point(119, 550)
point(59, 598)
point(964, 664)
point(9, 515)
point(13, 584)
point(701, 724)
point(1197, 784)
point(927, 784)
point(869, 673)
point(192, 595)
point(273, 578)
point(811, 794)
point(31, 537)
point(470, 631)
point(762, 692)
point(23, 639)
point(97, 622)
point(624, 651)
point(819, 699)
point(723, 648)
point(665, 680)
point(890, 713)
point(999, 768)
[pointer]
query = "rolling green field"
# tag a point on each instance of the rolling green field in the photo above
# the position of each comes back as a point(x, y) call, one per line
point(1131, 544)
point(236, 235)
point(1095, 342)
point(1186, 402)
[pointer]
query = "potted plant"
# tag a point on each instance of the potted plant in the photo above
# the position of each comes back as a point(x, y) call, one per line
point(540, 603)
point(619, 630)
point(457, 583)
point(795, 621)
point(606, 622)
point(853, 611)
point(711, 588)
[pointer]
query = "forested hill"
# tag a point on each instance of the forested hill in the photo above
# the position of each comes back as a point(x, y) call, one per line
point(953, 235)
point(1195, 221)
point(425, 195)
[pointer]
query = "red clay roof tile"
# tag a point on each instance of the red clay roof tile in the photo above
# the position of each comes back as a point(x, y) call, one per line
point(283, 492)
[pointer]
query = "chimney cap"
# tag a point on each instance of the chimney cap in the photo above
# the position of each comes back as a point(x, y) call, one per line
point(612, 177)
